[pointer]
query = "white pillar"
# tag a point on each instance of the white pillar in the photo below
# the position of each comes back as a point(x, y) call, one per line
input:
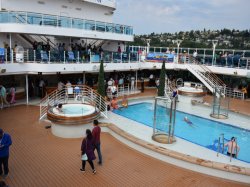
point(214, 42)
point(83, 78)
point(27, 89)
point(136, 80)
point(10, 41)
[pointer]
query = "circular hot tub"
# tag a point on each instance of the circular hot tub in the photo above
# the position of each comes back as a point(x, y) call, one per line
point(191, 91)
point(75, 110)
point(73, 120)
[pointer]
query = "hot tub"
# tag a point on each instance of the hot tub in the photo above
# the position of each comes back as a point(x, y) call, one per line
point(73, 121)
point(191, 91)
point(75, 110)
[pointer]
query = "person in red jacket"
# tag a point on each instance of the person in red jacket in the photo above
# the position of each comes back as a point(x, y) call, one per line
point(96, 132)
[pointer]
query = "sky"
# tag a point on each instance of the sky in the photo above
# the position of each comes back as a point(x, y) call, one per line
point(160, 16)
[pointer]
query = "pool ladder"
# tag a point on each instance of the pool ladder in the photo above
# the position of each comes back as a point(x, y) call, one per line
point(220, 140)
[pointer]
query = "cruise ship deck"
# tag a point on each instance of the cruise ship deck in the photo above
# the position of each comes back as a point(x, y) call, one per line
point(38, 158)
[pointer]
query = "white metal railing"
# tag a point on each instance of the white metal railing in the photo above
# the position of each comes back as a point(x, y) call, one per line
point(87, 95)
point(122, 90)
point(210, 80)
point(169, 87)
point(230, 92)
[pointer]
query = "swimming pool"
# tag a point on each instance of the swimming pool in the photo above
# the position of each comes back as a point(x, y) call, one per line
point(204, 132)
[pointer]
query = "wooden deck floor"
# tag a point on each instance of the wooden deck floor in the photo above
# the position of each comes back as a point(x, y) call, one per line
point(40, 159)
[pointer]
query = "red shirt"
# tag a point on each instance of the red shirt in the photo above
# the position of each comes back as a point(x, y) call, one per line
point(96, 134)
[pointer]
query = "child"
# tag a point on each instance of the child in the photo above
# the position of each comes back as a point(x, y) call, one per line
point(13, 95)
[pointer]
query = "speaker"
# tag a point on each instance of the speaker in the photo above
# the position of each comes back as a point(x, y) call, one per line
point(3, 70)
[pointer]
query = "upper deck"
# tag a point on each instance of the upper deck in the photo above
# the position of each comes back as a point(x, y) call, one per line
point(101, 10)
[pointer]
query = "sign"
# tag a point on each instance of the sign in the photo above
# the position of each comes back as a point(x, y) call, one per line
point(159, 57)
point(1, 51)
point(1, 55)
point(94, 58)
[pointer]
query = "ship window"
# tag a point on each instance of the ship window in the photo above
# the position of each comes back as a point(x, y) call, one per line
point(78, 9)
point(64, 6)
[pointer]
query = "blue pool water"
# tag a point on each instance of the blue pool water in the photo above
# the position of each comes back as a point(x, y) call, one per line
point(204, 132)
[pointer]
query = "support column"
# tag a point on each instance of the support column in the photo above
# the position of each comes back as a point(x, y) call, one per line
point(27, 89)
point(136, 80)
point(83, 78)
point(11, 51)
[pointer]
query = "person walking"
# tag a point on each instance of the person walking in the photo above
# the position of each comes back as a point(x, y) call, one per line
point(96, 132)
point(5, 143)
point(87, 148)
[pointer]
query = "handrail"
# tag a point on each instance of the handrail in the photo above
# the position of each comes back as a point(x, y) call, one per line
point(71, 22)
point(90, 96)
point(26, 21)
point(221, 139)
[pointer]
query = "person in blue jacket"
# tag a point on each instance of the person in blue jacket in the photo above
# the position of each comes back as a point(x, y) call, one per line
point(5, 142)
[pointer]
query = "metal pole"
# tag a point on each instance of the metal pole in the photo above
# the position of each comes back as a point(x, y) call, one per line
point(175, 102)
point(170, 122)
point(136, 79)
point(223, 147)
point(218, 149)
point(27, 89)
point(83, 78)
point(155, 116)
point(214, 42)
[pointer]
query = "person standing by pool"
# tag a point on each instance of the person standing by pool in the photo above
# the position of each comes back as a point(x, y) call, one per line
point(96, 132)
point(233, 148)
point(114, 104)
point(5, 143)
point(125, 101)
point(87, 148)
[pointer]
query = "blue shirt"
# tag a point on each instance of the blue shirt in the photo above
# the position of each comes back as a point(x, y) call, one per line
point(5, 142)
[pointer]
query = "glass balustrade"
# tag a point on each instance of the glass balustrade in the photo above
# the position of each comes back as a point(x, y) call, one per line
point(55, 56)
point(62, 21)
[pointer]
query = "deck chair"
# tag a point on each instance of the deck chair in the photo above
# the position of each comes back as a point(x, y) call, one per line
point(44, 56)
point(69, 93)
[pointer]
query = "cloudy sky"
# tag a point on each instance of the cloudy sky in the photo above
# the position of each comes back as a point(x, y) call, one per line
point(147, 16)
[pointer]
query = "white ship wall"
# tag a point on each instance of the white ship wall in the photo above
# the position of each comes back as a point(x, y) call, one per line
point(76, 9)
point(113, 46)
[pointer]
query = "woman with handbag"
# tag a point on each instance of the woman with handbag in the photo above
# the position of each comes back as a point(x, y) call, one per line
point(87, 149)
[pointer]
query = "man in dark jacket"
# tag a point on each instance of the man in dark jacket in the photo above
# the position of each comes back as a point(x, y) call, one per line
point(96, 132)
point(5, 142)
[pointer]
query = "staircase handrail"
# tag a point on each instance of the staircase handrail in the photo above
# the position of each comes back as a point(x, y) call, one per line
point(208, 71)
point(90, 95)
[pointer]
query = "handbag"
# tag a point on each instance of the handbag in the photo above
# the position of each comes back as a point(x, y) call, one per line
point(84, 157)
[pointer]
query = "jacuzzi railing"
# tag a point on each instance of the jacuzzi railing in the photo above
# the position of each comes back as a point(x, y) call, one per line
point(73, 94)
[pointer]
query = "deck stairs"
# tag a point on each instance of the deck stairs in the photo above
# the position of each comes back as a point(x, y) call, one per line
point(206, 76)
